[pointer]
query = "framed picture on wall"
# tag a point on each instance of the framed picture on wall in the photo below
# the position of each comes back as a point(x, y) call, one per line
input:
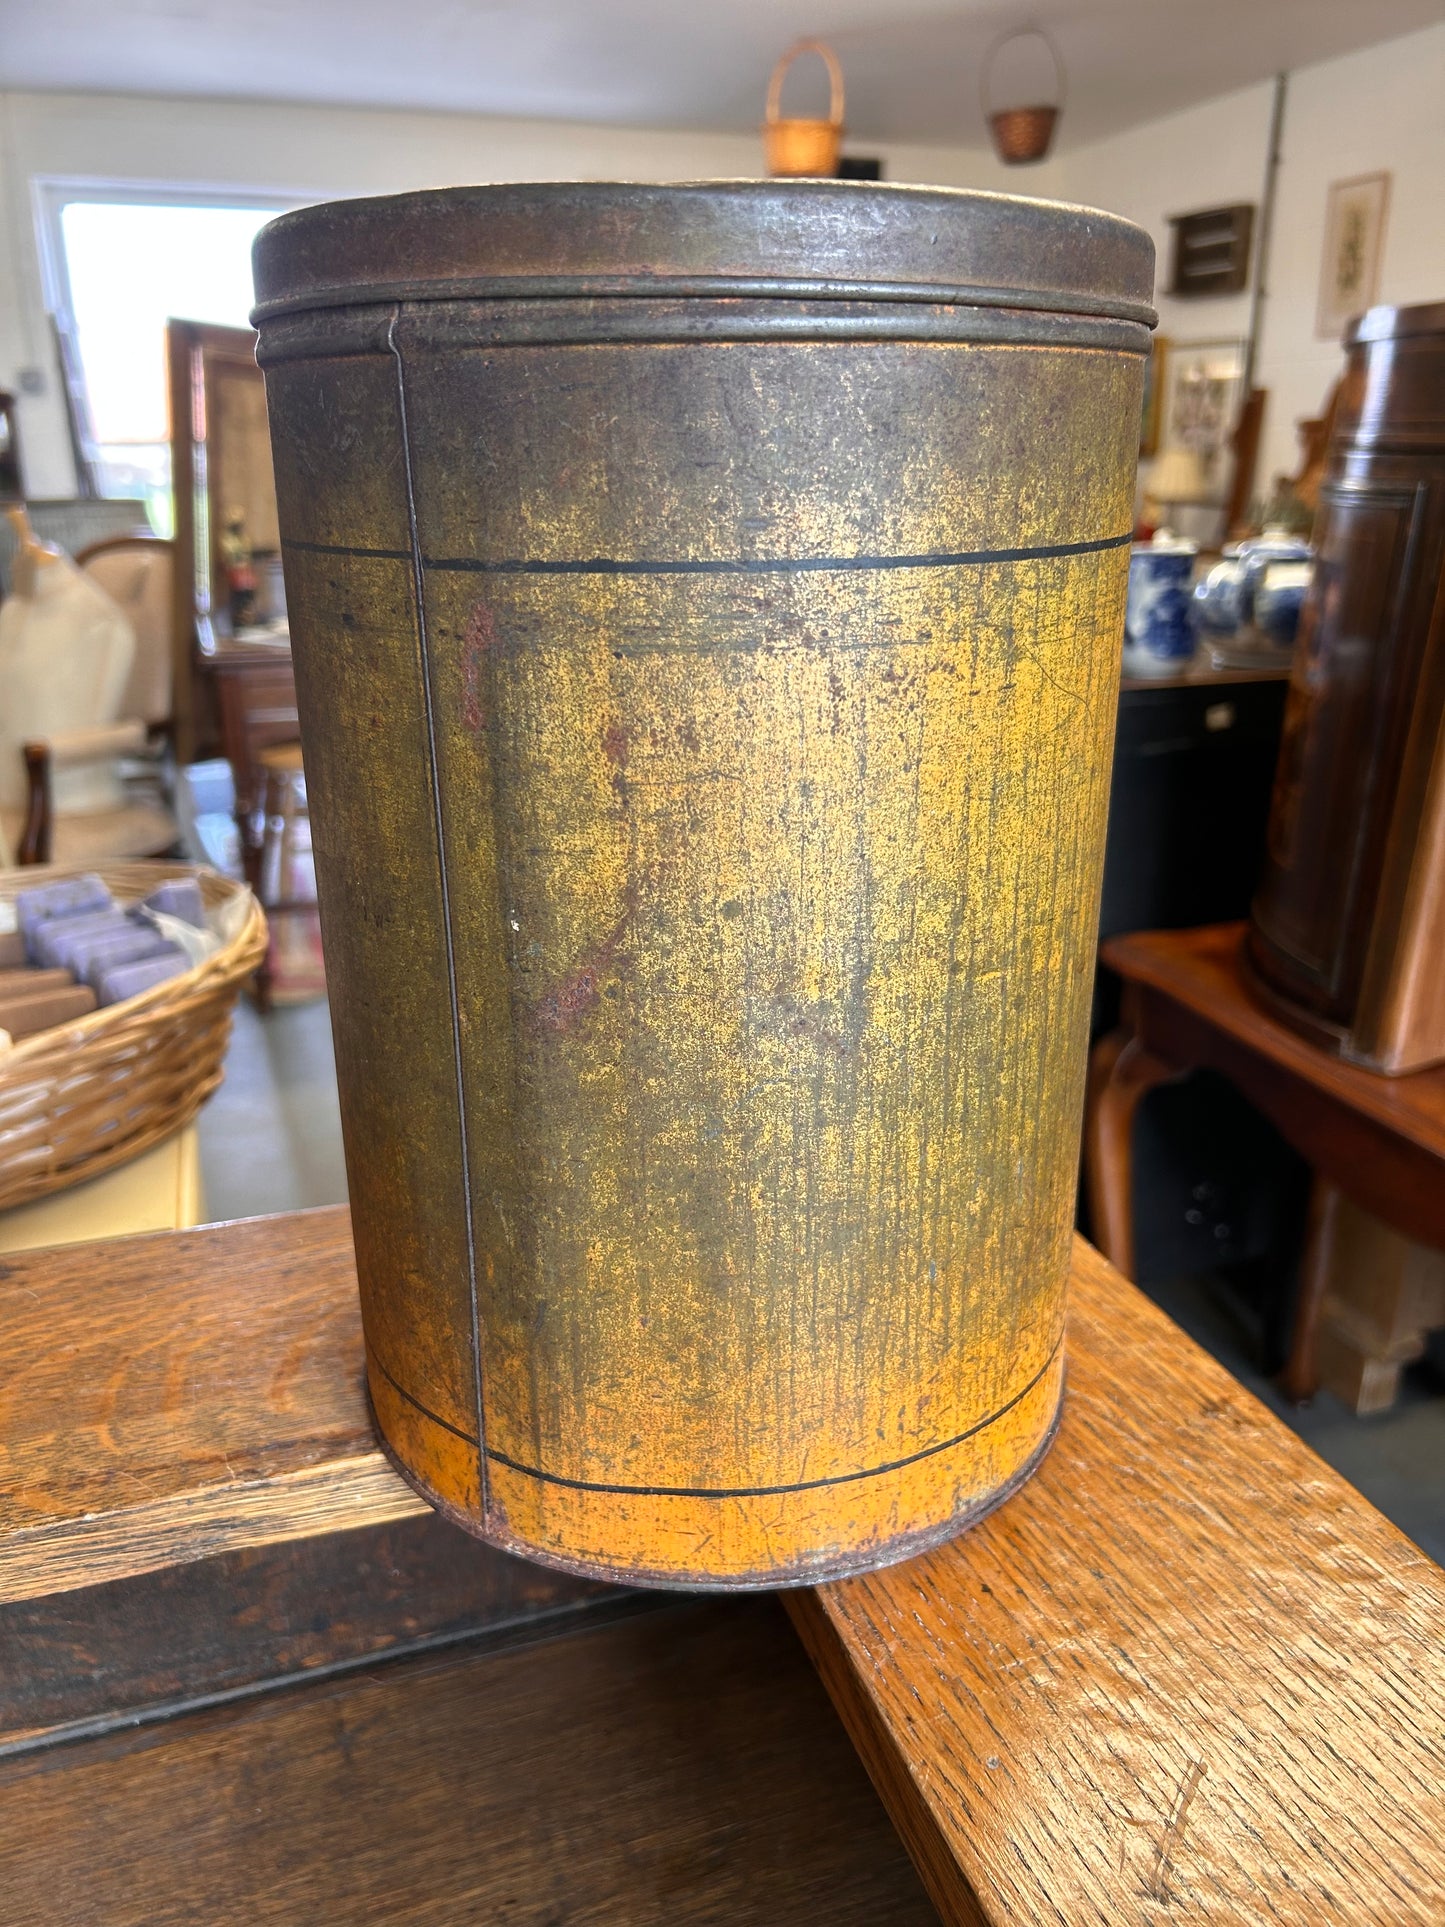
point(1153, 396)
point(1354, 242)
point(1201, 385)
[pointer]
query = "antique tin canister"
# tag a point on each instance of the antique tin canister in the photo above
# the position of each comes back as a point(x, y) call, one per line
point(707, 606)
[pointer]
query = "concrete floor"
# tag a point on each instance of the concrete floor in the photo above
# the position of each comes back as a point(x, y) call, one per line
point(271, 1136)
point(271, 1141)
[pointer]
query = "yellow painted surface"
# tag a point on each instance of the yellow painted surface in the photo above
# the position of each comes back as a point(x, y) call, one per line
point(771, 899)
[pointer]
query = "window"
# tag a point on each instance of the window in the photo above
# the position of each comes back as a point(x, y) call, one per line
point(120, 264)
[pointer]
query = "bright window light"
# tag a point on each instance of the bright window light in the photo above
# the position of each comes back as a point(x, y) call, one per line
point(130, 267)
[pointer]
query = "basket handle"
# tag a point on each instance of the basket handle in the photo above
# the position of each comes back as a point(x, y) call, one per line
point(990, 60)
point(835, 80)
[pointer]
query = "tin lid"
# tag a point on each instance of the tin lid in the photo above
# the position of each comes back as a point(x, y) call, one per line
point(813, 240)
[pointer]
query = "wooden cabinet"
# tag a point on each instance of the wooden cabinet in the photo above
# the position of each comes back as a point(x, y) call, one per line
point(1359, 804)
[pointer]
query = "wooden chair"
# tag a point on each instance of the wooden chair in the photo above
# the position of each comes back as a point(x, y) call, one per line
point(285, 880)
point(137, 572)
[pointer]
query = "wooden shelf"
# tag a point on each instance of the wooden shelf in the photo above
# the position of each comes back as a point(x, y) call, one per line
point(682, 1765)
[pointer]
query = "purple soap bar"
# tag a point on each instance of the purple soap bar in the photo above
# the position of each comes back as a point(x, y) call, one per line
point(130, 979)
point(69, 897)
point(180, 897)
point(55, 939)
point(97, 955)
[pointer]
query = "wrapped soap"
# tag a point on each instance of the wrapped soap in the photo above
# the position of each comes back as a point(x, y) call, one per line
point(67, 897)
point(54, 943)
point(177, 897)
point(130, 979)
point(97, 955)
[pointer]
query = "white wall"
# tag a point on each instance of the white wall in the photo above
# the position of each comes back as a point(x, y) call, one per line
point(316, 154)
point(1382, 108)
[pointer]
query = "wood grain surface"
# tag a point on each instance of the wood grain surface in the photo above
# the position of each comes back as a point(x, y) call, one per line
point(143, 1647)
point(679, 1767)
point(171, 1397)
point(1187, 1673)
point(1188, 1005)
point(1200, 970)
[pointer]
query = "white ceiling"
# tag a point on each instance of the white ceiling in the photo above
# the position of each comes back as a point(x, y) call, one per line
point(912, 72)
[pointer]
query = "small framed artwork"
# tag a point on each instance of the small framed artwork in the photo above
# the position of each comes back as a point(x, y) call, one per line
point(1201, 385)
point(1354, 243)
point(1153, 396)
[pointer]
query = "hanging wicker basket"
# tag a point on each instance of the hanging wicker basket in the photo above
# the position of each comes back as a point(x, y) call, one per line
point(800, 148)
point(1022, 134)
point(83, 1097)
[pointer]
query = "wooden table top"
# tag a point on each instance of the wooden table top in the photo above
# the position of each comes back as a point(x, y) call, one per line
point(1200, 672)
point(177, 1395)
point(1201, 970)
point(1185, 1672)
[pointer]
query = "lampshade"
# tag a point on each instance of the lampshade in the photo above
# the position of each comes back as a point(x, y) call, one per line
point(1177, 476)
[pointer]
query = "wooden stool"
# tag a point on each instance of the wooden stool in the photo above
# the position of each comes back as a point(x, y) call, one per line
point(286, 831)
point(1375, 1142)
point(286, 881)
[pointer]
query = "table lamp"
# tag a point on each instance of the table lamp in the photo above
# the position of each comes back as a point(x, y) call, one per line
point(1177, 477)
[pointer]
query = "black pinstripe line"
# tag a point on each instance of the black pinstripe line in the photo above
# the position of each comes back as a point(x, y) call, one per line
point(735, 1491)
point(740, 565)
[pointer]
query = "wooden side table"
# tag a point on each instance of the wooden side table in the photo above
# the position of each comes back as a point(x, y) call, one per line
point(1378, 1142)
point(256, 694)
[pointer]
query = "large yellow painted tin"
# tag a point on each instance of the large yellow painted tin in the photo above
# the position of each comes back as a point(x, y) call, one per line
point(707, 605)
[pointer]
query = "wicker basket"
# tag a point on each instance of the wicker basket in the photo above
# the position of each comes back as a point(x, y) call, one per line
point(80, 1098)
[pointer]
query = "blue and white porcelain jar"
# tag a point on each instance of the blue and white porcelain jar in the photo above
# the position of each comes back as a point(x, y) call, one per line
point(1158, 626)
point(1279, 596)
point(1219, 598)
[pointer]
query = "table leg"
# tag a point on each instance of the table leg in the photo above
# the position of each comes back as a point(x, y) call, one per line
point(1300, 1379)
point(1121, 1073)
point(1368, 1298)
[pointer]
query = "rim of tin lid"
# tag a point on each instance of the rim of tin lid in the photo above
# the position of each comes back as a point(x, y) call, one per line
point(777, 240)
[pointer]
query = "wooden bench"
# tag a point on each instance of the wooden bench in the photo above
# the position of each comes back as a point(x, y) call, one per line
point(1185, 1673)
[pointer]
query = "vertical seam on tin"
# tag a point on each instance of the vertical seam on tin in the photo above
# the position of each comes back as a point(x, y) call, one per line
point(428, 698)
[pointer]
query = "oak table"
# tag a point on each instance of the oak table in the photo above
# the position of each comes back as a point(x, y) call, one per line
point(1185, 1672)
point(1187, 1005)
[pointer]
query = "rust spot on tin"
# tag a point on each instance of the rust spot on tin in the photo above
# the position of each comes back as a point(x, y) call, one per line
point(798, 1021)
point(479, 639)
point(580, 990)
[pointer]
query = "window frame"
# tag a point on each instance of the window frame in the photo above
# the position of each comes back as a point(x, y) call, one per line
point(51, 194)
